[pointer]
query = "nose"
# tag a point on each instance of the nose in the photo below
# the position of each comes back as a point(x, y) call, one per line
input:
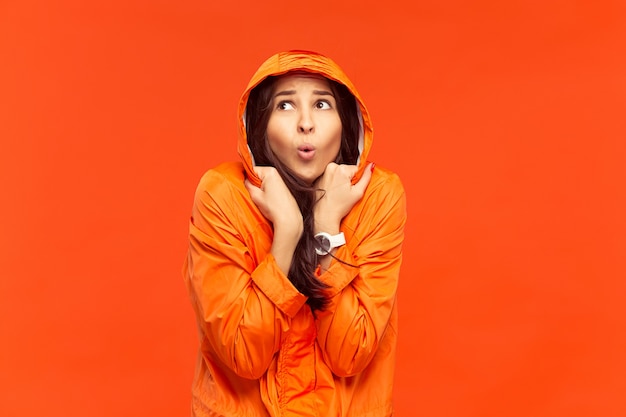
point(305, 124)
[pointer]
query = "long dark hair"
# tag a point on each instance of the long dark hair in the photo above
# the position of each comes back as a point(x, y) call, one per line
point(258, 111)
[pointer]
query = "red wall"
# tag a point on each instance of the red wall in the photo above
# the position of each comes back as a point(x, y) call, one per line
point(505, 119)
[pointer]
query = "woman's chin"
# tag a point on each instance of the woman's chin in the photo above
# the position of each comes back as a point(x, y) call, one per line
point(308, 176)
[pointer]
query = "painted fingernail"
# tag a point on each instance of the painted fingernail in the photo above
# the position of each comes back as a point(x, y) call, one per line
point(373, 166)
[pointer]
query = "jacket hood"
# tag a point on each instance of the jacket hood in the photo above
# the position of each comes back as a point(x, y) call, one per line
point(306, 61)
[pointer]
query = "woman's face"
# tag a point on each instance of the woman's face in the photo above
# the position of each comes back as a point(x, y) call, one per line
point(304, 129)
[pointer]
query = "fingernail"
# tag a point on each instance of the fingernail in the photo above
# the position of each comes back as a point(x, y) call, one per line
point(373, 166)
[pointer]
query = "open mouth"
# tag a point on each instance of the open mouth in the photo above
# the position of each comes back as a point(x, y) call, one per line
point(306, 148)
point(306, 151)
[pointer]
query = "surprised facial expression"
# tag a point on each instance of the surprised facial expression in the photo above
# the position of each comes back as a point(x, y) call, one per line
point(304, 128)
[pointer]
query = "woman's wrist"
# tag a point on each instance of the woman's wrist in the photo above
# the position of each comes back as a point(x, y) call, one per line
point(286, 237)
point(327, 225)
point(325, 220)
point(289, 228)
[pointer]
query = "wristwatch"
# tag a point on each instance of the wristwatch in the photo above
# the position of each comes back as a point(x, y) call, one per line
point(326, 242)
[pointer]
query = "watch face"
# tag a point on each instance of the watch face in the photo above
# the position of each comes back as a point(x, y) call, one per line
point(324, 243)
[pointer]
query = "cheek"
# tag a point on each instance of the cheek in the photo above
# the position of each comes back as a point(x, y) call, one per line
point(336, 136)
point(275, 134)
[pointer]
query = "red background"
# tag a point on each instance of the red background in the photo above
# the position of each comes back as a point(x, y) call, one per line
point(505, 119)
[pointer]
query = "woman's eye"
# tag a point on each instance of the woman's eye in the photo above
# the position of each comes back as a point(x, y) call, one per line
point(323, 105)
point(284, 105)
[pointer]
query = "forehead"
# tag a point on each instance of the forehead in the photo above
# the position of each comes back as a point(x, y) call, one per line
point(300, 81)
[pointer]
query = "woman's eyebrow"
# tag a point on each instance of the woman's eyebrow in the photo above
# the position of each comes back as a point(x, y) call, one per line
point(285, 93)
point(292, 92)
point(323, 93)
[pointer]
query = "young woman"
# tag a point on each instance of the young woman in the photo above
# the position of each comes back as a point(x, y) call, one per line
point(295, 254)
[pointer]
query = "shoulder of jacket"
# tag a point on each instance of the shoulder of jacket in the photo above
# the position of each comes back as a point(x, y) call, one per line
point(385, 182)
point(223, 174)
point(221, 180)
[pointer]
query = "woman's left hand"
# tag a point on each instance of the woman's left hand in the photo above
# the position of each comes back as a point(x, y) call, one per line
point(337, 195)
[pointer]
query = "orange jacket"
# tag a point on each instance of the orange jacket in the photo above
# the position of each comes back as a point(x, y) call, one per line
point(262, 352)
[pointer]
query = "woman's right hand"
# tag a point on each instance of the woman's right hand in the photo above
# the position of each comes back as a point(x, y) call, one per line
point(273, 198)
point(279, 206)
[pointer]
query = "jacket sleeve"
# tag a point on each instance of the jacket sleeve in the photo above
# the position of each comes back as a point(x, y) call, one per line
point(363, 293)
point(242, 305)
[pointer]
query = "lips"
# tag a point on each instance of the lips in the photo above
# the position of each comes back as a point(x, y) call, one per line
point(306, 152)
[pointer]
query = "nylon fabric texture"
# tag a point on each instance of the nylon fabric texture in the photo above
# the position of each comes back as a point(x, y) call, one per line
point(262, 351)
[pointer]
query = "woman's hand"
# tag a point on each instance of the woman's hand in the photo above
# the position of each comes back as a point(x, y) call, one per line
point(279, 206)
point(273, 198)
point(337, 195)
